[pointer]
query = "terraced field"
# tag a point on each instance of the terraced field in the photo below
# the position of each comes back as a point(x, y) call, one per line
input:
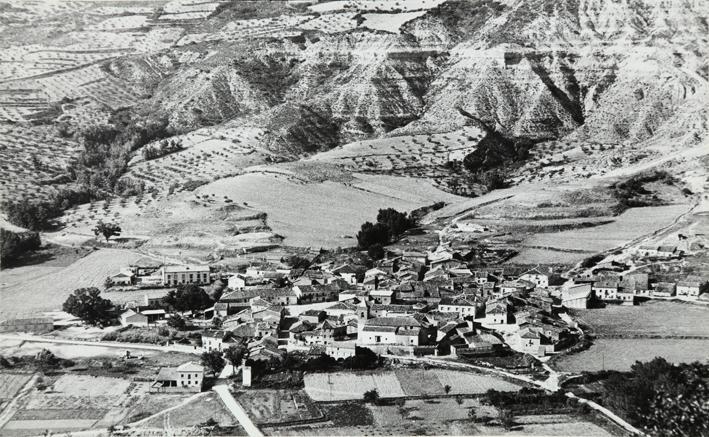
point(31, 158)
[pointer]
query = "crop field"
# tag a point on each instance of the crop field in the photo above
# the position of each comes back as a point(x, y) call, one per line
point(447, 417)
point(193, 413)
point(73, 402)
point(405, 155)
point(208, 154)
point(29, 157)
point(620, 354)
point(291, 204)
point(331, 23)
point(35, 295)
point(271, 406)
point(405, 382)
point(654, 317)
point(10, 384)
point(389, 22)
point(628, 226)
point(374, 5)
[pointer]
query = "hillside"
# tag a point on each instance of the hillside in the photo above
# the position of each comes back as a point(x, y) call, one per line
point(435, 93)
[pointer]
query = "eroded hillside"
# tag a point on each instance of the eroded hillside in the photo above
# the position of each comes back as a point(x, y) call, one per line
point(557, 91)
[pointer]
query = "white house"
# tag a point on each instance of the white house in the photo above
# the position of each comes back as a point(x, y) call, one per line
point(689, 287)
point(185, 274)
point(576, 296)
point(133, 318)
point(606, 289)
point(536, 277)
point(381, 296)
point(402, 331)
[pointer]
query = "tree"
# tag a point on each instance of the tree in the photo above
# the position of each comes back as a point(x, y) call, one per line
point(376, 251)
point(216, 322)
point(108, 230)
point(15, 244)
point(213, 361)
point(371, 396)
point(187, 297)
point(397, 222)
point(176, 321)
point(88, 305)
point(235, 354)
point(108, 283)
point(472, 414)
point(371, 233)
point(447, 388)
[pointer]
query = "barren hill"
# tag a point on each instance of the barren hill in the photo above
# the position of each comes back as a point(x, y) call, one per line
point(557, 91)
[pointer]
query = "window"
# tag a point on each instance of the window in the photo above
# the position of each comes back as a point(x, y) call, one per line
point(191, 277)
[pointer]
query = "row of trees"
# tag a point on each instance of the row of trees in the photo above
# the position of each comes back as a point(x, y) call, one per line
point(163, 148)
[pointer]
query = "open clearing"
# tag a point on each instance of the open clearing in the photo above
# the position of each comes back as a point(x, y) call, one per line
point(321, 214)
point(193, 413)
point(68, 351)
point(655, 317)
point(48, 292)
point(344, 386)
point(577, 244)
point(620, 354)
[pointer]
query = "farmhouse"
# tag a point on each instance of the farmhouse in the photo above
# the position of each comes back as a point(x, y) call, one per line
point(606, 289)
point(402, 331)
point(215, 340)
point(689, 287)
point(497, 313)
point(462, 305)
point(381, 296)
point(667, 251)
point(664, 289)
point(133, 318)
point(185, 274)
point(577, 296)
point(124, 277)
point(187, 377)
point(536, 277)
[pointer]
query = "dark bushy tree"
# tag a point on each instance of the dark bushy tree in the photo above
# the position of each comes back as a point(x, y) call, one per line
point(108, 230)
point(188, 297)
point(176, 321)
point(397, 222)
point(14, 244)
point(371, 396)
point(371, 234)
point(88, 305)
point(213, 361)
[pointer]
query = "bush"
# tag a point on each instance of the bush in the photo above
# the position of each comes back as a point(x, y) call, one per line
point(15, 244)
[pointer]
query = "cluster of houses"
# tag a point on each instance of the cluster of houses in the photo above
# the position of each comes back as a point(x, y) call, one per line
point(149, 273)
point(606, 284)
point(410, 304)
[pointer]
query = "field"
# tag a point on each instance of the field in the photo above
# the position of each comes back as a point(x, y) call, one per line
point(620, 354)
point(49, 291)
point(74, 402)
point(445, 416)
point(29, 157)
point(10, 384)
point(291, 204)
point(271, 406)
point(408, 382)
point(577, 244)
point(389, 22)
point(193, 413)
point(68, 351)
point(654, 317)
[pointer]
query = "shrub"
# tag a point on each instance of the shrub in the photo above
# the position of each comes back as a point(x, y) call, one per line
point(15, 244)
